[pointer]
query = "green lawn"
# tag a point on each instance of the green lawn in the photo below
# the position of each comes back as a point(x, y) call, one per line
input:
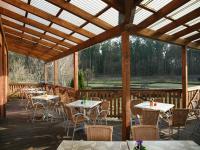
point(140, 83)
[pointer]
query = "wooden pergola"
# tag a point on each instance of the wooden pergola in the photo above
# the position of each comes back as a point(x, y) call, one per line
point(52, 29)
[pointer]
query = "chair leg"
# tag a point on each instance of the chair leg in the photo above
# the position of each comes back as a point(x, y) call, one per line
point(68, 129)
point(74, 132)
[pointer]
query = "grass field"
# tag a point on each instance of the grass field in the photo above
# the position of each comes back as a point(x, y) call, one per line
point(147, 82)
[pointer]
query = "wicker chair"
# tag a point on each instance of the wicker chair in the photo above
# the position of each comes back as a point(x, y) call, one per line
point(150, 117)
point(74, 119)
point(194, 107)
point(99, 133)
point(37, 108)
point(104, 111)
point(93, 114)
point(136, 111)
point(50, 92)
point(178, 119)
point(145, 132)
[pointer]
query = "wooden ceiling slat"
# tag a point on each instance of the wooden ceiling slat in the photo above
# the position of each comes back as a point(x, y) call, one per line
point(24, 51)
point(161, 13)
point(38, 48)
point(181, 21)
point(22, 48)
point(187, 31)
point(47, 16)
point(34, 39)
point(36, 24)
point(33, 32)
point(81, 13)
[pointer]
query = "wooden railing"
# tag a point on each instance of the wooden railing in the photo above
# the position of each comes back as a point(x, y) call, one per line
point(14, 88)
point(172, 96)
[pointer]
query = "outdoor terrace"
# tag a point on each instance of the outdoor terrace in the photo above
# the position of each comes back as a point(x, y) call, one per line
point(50, 30)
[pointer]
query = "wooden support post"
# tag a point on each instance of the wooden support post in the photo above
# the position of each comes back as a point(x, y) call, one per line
point(55, 72)
point(45, 73)
point(3, 73)
point(126, 112)
point(76, 71)
point(184, 78)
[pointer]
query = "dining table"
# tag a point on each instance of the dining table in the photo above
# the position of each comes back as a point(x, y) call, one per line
point(46, 100)
point(128, 145)
point(162, 107)
point(92, 145)
point(84, 104)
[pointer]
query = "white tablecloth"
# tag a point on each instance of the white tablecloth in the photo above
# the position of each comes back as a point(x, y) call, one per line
point(163, 107)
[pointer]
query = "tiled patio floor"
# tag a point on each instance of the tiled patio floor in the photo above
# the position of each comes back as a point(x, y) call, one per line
point(19, 133)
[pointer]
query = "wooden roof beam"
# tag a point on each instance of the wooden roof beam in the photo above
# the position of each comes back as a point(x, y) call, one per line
point(31, 38)
point(161, 13)
point(181, 21)
point(47, 16)
point(114, 32)
point(129, 11)
point(20, 47)
point(33, 32)
point(36, 24)
point(81, 13)
point(115, 4)
point(166, 38)
point(193, 37)
point(186, 31)
point(35, 49)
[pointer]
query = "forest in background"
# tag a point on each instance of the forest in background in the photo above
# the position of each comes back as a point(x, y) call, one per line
point(151, 60)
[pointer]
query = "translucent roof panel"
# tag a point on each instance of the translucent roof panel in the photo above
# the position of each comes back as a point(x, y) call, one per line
point(34, 28)
point(110, 16)
point(31, 35)
point(70, 42)
point(12, 8)
point(45, 6)
point(55, 36)
point(159, 24)
point(60, 28)
point(84, 38)
point(196, 40)
point(38, 19)
point(180, 28)
point(65, 15)
point(141, 15)
point(93, 28)
point(12, 20)
point(185, 9)
point(90, 6)
point(193, 22)
point(190, 34)
point(155, 4)
point(13, 28)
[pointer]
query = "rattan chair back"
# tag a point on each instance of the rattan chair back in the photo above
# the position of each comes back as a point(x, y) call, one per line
point(145, 132)
point(99, 133)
